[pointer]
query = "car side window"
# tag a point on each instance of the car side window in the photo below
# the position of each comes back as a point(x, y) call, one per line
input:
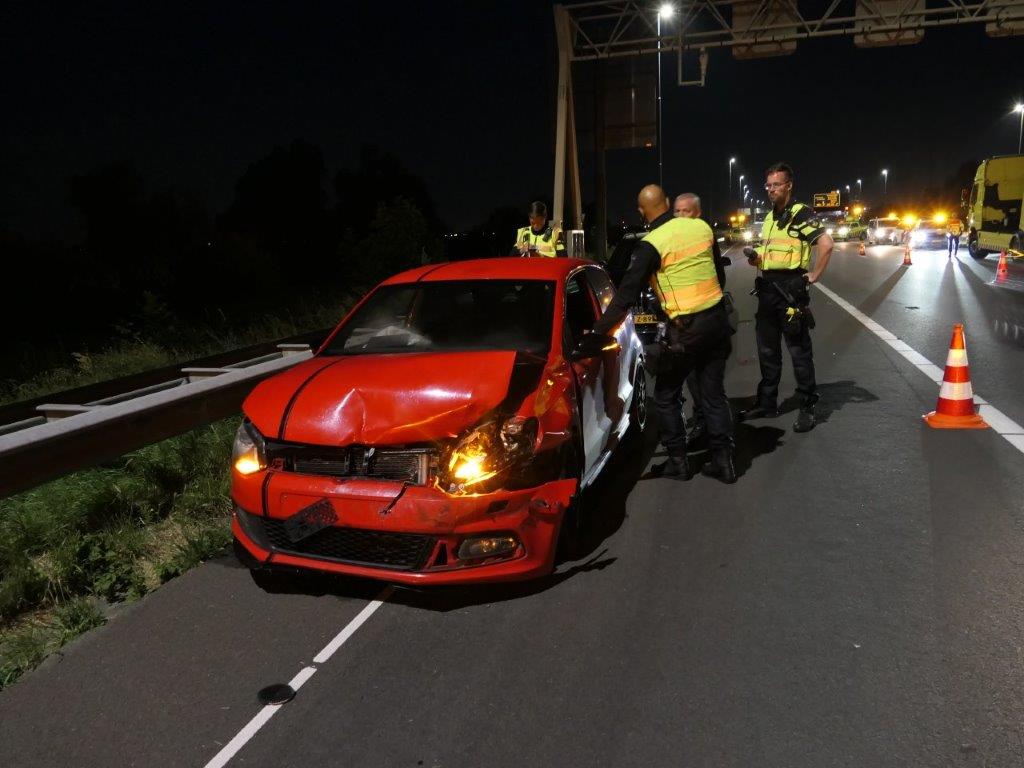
point(602, 285)
point(579, 307)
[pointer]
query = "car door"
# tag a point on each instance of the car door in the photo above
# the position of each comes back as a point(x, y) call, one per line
point(618, 363)
point(580, 316)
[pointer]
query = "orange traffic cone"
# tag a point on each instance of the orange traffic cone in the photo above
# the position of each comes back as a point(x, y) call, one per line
point(955, 408)
point(1001, 269)
point(860, 251)
point(906, 256)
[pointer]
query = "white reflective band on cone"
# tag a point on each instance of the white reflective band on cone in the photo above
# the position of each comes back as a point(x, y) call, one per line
point(951, 391)
point(957, 358)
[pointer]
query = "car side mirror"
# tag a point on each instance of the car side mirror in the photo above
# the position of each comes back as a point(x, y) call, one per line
point(592, 345)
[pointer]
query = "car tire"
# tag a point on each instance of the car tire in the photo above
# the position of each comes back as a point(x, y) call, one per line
point(976, 250)
point(638, 410)
point(1015, 243)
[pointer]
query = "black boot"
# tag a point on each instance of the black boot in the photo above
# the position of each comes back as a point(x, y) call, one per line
point(720, 465)
point(806, 419)
point(675, 467)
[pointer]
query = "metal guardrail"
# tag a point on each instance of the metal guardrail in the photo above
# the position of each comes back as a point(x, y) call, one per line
point(63, 437)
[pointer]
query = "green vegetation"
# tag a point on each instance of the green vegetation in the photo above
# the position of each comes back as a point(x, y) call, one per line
point(155, 341)
point(107, 535)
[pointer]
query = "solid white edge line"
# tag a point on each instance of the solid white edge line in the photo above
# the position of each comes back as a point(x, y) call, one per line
point(263, 716)
point(1000, 423)
point(352, 626)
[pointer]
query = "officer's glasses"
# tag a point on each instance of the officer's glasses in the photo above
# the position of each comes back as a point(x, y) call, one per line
point(775, 185)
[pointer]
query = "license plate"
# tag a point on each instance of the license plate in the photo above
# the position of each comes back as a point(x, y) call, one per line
point(309, 520)
point(645, 319)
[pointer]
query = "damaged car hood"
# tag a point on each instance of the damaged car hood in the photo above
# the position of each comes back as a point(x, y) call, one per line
point(381, 399)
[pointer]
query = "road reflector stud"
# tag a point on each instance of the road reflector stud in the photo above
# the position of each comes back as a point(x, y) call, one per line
point(955, 407)
point(279, 693)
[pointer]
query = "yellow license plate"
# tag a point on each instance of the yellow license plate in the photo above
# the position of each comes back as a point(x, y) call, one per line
point(645, 319)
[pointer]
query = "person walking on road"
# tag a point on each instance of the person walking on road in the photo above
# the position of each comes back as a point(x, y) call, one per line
point(676, 258)
point(687, 205)
point(954, 228)
point(539, 237)
point(783, 298)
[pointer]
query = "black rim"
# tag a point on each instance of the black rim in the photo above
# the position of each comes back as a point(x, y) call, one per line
point(640, 399)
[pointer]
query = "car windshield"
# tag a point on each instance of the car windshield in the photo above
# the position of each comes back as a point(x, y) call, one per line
point(451, 316)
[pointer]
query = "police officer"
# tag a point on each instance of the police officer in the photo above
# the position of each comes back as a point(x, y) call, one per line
point(676, 258)
point(540, 236)
point(687, 205)
point(784, 257)
point(954, 229)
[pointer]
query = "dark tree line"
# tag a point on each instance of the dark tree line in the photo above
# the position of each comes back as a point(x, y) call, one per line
point(154, 263)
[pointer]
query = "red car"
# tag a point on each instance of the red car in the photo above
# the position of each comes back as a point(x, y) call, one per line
point(443, 431)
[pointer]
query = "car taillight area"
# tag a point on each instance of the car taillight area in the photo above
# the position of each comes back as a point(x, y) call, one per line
point(414, 466)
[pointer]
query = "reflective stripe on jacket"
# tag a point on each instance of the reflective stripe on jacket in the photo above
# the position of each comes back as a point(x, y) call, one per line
point(547, 242)
point(782, 247)
point(686, 281)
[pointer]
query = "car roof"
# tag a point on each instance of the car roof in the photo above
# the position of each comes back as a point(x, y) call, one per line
point(511, 268)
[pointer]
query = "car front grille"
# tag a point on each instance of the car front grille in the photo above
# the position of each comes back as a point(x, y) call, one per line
point(411, 465)
point(376, 549)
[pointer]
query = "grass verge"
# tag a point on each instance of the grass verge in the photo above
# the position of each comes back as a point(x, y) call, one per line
point(107, 535)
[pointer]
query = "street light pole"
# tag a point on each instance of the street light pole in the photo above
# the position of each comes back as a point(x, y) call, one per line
point(860, 189)
point(1020, 134)
point(666, 11)
point(885, 183)
point(729, 196)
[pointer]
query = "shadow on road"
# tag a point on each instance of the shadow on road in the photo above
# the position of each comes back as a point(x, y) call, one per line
point(833, 396)
point(753, 441)
point(877, 296)
point(1003, 307)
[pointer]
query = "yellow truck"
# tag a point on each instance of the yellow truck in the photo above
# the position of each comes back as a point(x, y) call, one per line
point(994, 206)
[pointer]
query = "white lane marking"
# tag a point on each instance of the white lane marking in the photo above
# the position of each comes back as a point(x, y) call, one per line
point(263, 716)
point(352, 626)
point(1000, 423)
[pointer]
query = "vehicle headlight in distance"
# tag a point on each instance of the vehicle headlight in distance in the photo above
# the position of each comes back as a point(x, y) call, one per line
point(748, 236)
point(844, 231)
point(871, 233)
point(915, 237)
point(249, 453)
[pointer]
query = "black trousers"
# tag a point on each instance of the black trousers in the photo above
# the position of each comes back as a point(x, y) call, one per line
point(954, 244)
point(769, 322)
point(698, 344)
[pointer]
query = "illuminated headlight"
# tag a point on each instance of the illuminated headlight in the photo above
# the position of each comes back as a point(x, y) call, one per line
point(486, 452)
point(748, 236)
point(843, 231)
point(829, 231)
point(249, 453)
point(871, 232)
point(916, 238)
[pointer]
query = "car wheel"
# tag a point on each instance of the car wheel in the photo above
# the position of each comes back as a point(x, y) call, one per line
point(976, 250)
point(1015, 243)
point(638, 407)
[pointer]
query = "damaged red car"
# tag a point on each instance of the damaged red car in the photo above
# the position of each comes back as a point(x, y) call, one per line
point(443, 431)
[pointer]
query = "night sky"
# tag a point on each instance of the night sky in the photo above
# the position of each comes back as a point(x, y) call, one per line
point(463, 94)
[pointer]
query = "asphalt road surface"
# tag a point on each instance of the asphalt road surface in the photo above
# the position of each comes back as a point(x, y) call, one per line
point(856, 599)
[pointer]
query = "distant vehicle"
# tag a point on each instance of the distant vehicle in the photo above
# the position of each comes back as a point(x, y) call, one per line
point(751, 234)
point(994, 207)
point(886, 231)
point(928, 234)
point(443, 432)
point(848, 230)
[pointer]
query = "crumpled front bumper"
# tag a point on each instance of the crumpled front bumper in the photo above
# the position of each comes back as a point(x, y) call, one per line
point(409, 536)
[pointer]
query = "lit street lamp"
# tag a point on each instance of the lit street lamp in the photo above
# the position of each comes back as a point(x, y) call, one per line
point(665, 11)
point(731, 161)
point(1020, 134)
point(885, 182)
point(860, 189)
point(741, 182)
